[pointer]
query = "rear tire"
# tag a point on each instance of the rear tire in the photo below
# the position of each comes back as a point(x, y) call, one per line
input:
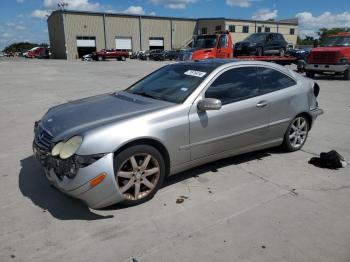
point(310, 74)
point(296, 134)
point(123, 58)
point(347, 74)
point(139, 172)
point(100, 58)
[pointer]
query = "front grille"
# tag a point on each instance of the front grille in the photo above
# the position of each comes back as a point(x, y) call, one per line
point(324, 58)
point(43, 139)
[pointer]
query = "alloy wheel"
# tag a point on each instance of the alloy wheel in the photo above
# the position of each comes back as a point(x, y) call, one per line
point(138, 176)
point(298, 132)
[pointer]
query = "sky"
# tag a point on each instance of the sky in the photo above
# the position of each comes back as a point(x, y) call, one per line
point(25, 20)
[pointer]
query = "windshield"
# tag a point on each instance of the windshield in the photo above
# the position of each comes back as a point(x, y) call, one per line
point(256, 38)
point(172, 83)
point(335, 41)
point(205, 41)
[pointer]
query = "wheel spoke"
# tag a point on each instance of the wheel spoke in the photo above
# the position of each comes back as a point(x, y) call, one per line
point(302, 125)
point(147, 183)
point(125, 174)
point(137, 190)
point(127, 186)
point(294, 128)
point(303, 133)
point(145, 162)
point(298, 122)
point(134, 164)
point(151, 171)
point(291, 136)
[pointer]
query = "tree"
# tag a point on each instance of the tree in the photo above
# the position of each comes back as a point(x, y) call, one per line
point(332, 31)
point(22, 47)
point(308, 40)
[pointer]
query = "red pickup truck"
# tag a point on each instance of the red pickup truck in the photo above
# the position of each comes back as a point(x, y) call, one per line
point(110, 54)
point(332, 57)
point(209, 46)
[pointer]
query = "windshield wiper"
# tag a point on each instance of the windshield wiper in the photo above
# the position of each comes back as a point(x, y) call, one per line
point(145, 95)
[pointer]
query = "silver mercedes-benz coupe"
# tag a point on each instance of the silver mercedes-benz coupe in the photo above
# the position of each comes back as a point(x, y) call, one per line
point(119, 147)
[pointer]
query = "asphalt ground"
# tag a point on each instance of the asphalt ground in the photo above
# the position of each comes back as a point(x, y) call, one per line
point(263, 206)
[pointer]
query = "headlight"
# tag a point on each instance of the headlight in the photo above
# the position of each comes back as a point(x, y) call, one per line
point(343, 61)
point(57, 149)
point(70, 147)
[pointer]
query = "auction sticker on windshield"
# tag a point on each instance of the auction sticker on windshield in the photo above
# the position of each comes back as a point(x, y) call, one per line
point(195, 73)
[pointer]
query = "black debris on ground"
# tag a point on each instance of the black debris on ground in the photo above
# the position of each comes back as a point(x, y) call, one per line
point(331, 160)
point(181, 199)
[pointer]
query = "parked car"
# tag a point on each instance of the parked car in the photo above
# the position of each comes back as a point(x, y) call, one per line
point(133, 55)
point(110, 54)
point(36, 52)
point(261, 44)
point(171, 55)
point(164, 55)
point(157, 55)
point(119, 147)
point(301, 54)
point(87, 57)
point(144, 55)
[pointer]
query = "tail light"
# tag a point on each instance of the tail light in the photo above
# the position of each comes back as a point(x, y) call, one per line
point(316, 89)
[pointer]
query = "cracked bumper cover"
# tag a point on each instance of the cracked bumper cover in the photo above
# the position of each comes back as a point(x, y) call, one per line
point(104, 194)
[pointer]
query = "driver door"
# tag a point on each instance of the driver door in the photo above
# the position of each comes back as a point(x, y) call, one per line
point(241, 123)
point(222, 48)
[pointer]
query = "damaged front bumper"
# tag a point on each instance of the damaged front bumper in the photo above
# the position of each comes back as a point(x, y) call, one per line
point(104, 194)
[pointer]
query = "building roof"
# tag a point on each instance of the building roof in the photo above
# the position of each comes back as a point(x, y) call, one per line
point(292, 21)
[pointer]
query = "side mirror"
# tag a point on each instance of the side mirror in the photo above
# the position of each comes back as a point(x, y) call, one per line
point(209, 104)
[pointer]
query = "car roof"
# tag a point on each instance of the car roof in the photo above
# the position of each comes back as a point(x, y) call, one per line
point(213, 64)
point(210, 62)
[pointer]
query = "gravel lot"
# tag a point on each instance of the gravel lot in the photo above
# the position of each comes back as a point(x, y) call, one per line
point(263, 206)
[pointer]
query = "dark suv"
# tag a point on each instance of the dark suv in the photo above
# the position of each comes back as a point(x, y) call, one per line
point(261, 44)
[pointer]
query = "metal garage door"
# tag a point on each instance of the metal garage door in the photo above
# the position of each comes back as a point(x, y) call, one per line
point(86, 41)
point(123, 43)
point(86, 45)
point(156, 43)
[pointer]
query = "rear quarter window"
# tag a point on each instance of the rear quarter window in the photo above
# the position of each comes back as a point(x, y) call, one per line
point(273, 80)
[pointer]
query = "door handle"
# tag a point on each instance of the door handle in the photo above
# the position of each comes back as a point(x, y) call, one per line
point(261, 104)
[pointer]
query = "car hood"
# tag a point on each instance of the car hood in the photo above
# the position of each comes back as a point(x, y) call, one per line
point(333, 49)
point(76, 117)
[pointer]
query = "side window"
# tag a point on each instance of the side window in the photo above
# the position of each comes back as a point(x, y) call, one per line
point(223, 41)
point(234, 85)
point(272, 80)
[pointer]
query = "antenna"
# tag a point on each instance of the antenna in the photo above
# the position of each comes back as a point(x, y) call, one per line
point(62, 5)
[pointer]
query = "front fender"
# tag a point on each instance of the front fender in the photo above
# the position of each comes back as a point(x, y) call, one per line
point(169, 127)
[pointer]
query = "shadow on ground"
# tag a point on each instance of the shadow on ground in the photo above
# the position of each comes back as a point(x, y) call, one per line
point(34, 185)
point(214, 166)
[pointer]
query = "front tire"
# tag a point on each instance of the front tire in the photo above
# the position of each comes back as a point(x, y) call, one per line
point(296, 134)
point(100, 58)
point(139, 173)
